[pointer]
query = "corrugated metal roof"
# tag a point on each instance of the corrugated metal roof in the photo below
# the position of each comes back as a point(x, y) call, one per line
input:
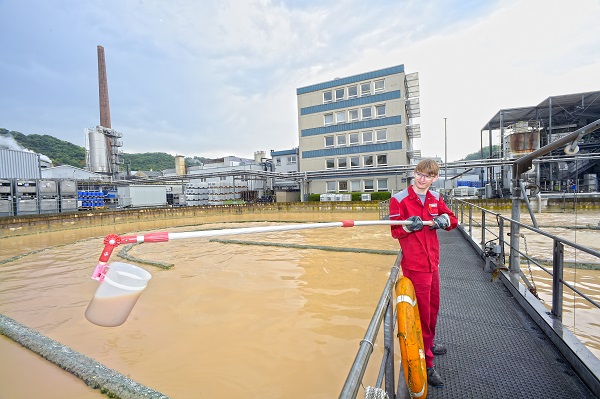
point(19, 164)
point(563, 109)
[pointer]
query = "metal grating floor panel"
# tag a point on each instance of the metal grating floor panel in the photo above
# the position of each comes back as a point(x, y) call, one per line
point(495, 350)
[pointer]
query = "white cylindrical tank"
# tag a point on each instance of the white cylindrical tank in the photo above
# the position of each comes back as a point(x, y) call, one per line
point(179, 165)
point(98, 152)
point(258, 156)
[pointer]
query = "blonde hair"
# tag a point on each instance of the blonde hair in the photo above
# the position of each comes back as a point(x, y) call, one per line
point(428, 166)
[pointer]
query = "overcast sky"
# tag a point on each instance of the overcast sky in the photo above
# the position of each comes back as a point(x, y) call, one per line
point(218, 77)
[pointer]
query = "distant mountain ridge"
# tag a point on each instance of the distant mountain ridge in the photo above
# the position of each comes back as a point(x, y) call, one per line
point(62, 152)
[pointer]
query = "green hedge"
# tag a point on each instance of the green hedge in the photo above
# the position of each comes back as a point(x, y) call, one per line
point(375, 196)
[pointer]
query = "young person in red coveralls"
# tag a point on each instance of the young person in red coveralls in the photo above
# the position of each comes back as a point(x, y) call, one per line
point(421, 251)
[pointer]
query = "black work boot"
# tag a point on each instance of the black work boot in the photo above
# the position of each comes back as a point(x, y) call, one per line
point(433, 378)
point(439, 349)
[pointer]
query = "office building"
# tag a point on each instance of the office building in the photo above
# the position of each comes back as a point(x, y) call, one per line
point(354, 130)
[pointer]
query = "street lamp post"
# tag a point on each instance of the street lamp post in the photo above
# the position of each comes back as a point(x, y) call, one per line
point(445, 154)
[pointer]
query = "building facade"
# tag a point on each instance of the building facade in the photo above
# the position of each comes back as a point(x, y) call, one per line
point(353, 129)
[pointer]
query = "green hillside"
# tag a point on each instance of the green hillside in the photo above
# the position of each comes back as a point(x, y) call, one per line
point(59, 151)
point(65, 153)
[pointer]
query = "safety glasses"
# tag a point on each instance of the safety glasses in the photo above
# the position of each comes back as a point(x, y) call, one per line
point(419, 175)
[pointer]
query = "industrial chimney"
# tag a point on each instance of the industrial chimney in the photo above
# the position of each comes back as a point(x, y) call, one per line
point(104, 154)
point(103, 90)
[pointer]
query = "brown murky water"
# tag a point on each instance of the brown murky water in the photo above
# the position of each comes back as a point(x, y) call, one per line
point(227, 320)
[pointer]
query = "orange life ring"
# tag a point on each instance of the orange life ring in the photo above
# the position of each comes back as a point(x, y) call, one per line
point(411, 338)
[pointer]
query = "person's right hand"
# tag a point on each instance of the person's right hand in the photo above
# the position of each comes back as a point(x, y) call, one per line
point(416, 224)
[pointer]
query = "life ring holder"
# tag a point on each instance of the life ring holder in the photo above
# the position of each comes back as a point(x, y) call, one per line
point(410, 337)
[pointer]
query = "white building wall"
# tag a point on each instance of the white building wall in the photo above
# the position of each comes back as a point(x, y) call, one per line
point(71, 172)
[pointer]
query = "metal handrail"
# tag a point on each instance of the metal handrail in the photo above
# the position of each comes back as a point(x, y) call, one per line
point(558, 249)
point(384, 314)
point(583, 361)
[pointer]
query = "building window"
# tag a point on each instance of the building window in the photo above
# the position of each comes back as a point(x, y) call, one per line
point(354, 162)
point(331, 187)
point(367, 136)
point(366, 113)
point(352, 91)
point(341, 140)
point(365, 89)
point(369, 185)
point(342, 163)
point(381, 135)
point(382, 184)
point(327, 97)
point(381, 159)
point(340, 117)
point(355, 185)
point(328, 119)
point(353, 115)
point(330, 163)
point(354, 140)
point(328, 141)
point(339, 94)
point(278, 161)
point(292, 159)
point(379, 86)
point(343, 185)
point(368, 161)
point(222, 178)
point(380, 111)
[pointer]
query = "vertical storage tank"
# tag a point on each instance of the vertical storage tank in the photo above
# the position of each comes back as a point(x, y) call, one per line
point(98, 151)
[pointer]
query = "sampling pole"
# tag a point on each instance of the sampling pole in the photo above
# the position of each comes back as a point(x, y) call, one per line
point(112, 241)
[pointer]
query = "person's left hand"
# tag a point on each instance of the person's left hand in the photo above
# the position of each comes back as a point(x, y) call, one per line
point(440, 222)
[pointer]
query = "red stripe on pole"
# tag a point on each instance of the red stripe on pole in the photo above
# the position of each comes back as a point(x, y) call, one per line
point(161, 236)
point(347, 223)
point(127, 240)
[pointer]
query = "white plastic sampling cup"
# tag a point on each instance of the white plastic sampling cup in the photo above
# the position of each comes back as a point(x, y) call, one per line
point(117, 294)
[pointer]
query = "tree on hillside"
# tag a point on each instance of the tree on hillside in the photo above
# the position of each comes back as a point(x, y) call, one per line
point(486, 153)
point(150, 161)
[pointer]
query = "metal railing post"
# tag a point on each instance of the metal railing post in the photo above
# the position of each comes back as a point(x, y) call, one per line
point(471, 221)
point(483, 230)
point(558, 258)
point(501, 237)
point(388, 343)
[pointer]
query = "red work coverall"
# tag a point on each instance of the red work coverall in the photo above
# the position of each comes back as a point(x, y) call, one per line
point(421, 255)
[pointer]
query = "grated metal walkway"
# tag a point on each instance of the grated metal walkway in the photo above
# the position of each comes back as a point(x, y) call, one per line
point(495, 350)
